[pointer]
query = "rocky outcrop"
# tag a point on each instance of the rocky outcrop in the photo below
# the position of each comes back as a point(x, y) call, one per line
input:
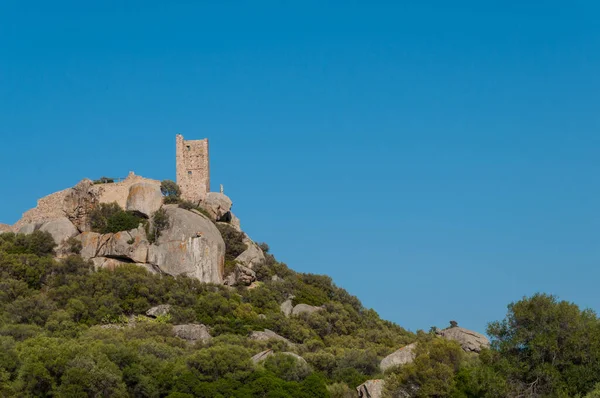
point(29, 228)
point(218, 205)
point(371, 389)
point(76, 203)
point(252, 256)
point(5, 228)
point(79, 203)
point(305, 309)
point(268, 335)
point(191, 246)
point(287, 307)
point(61, 229)
point(241, 276)
point(113, 263)
point(261, 356)
point(144, 198)
point(235, 222)
point(127, 245)
point(469, 341)
point(159, 310)
point(403, 356)
point(192, 332)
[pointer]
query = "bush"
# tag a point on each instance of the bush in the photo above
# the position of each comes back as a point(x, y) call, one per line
point(111, 218)
point(104, 180)
point(234, 241)
point(160, 222)
point(171, 191)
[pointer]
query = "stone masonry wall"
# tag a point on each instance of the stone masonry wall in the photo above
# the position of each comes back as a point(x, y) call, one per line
point(57, 205)
point(193, 172)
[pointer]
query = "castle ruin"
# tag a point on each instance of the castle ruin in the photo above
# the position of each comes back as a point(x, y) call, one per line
point(193, 172)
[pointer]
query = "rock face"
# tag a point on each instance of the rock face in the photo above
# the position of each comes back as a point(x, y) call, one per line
point(401, 357)
point(113, 263)
point(191, 246)
point(268, 335)
point(305, 309)
point(371, 389)
point(252, 256)
point(469, 341)
point(5, 228)
point(192, 332)
point(29, 228)
point(159, 310)
point(79, 202)
point(61, 229)
point(144, 198)
point(287, 307)
point(127, 245)
point(261, 356)
point(218, 205)
point(76, 203)
point(240, 276)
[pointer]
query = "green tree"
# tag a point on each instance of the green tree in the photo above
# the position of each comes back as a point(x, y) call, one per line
point(547, 347)
point(171, 191)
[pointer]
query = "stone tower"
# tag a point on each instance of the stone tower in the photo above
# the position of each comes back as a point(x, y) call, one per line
point(193, 173)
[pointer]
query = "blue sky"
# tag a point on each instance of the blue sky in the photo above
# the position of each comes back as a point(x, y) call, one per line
point(437, 160)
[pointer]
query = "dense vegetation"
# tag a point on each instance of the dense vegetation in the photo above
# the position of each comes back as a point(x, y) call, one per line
point(110, 218)
point(54, 340)
point(67, 331)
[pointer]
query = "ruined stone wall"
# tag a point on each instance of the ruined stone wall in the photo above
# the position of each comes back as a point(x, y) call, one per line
point(48, 208)
point(75, 203)
point(193, 172)
point(118, 191)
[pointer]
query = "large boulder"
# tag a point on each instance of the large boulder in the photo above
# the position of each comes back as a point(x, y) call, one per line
point(113, 263)
point(469, 341)
point(144, 198)
point(402, 356)
point(252, 256)
point(79, 202)
point(241, 276)
point(287, 307)
point(61, 229)
point(218, 205)
point(261, 356)
point(29, 228)
point(159, 310)
point(129, 245)
point(371, 389)
point(190, 246)
point(192, 332)
point(305, 309)
point(268, 335)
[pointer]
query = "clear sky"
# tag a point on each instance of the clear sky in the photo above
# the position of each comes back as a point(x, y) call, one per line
point(437, 159)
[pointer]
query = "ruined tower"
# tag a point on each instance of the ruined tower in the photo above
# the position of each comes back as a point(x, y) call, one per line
point(193, 173)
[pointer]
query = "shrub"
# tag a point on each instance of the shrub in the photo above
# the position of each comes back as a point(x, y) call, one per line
point(104, 180)
point(234, 241)
point(171, 191)
point(74, 246)
point(160, 222)
point(111, 218)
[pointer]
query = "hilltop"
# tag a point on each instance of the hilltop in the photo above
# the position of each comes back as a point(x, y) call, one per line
point(128, 289)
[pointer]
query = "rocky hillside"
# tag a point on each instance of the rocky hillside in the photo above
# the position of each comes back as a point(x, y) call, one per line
point(123, 289)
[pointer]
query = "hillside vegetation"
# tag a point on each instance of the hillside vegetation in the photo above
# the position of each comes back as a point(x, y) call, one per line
point(69, 331)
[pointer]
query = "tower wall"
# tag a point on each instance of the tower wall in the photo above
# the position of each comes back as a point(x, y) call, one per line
point(193, 172)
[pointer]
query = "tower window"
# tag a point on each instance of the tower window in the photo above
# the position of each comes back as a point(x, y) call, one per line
point(190, 173)
point(189, 148)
